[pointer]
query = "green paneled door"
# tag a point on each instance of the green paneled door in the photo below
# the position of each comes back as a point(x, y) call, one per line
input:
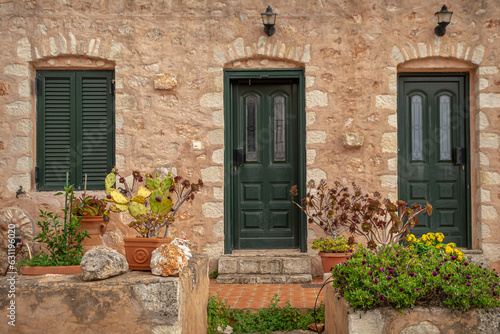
point(433, 159)
point(265, 130)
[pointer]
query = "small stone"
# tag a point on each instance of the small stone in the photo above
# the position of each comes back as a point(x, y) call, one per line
point(165, 81)
point(4, 88)
point(316, 327)
point(353, 139)
point(168, 260)
point(102, 262)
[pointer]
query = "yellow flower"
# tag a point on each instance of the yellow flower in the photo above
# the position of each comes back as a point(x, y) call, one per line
point(431, 236)
point(424, 237)
point(428, 243)
point(459, 258)
point(452, 244)
point(439, 246)
point(440, 236)
point(448, 249)
point(411, 238)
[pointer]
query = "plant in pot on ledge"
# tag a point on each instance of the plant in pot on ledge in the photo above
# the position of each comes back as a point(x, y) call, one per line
point(319, 207)
point(153, 204)
point(94, 218)
point(63, 249)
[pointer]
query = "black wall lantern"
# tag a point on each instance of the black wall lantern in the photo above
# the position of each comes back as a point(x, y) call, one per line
point(444, 18)
point(269, 19)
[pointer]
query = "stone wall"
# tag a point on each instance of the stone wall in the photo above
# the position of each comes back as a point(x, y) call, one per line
point(340, 318)
point(135, 302)
point(169, 58)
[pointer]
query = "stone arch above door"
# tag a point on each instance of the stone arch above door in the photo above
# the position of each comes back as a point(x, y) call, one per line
point(234, 54)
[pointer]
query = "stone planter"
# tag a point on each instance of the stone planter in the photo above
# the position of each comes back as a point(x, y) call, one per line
point(138, 251)
point(96, 227)
point(340, 318)
point(39, 270)
point(329, 260)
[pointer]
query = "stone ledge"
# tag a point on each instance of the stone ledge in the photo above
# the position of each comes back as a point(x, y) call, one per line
point(135, 302)
point(263, 279)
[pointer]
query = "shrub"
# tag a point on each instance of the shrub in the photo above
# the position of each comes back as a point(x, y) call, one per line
point(266, 320)
point(337, 245)
point(404, 277)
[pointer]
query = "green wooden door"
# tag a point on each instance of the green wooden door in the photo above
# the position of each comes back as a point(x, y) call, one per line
point(265, 129)
point(433, 152)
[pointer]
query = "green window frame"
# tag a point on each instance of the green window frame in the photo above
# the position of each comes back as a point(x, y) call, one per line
point(75, 128)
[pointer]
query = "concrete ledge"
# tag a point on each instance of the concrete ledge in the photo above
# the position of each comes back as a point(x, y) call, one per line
point(340, 318)
point(136, 302)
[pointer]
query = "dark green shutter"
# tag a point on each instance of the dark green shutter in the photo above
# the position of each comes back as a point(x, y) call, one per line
point(75, 128)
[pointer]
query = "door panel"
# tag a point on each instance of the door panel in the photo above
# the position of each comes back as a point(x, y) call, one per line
point(431, 124)
point(265, 123)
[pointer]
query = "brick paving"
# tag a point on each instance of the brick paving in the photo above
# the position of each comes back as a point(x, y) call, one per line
point(255, 296)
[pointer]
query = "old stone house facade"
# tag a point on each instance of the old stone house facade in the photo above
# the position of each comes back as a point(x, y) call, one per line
point(361, 90)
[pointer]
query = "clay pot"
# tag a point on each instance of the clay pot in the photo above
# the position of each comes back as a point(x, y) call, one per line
point(96, 227)
point(329, 260)
point(138, 251)
point(39, 270)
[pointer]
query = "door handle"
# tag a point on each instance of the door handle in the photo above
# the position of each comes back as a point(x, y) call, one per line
point(238, 157)
point(459, 158)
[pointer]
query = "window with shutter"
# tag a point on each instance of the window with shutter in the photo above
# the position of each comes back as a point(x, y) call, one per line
point(75, 128)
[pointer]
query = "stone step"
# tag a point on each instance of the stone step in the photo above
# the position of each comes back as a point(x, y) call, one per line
point(265, 267)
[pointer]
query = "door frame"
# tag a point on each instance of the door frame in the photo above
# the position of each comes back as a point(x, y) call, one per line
point(229, 76)
point(466, 92)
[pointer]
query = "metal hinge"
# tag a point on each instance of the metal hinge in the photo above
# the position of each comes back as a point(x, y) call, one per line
point(37, 174)
point(112, 87)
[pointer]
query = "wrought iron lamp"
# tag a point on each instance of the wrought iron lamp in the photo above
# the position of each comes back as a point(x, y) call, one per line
point(269, 19)
point(444, 18)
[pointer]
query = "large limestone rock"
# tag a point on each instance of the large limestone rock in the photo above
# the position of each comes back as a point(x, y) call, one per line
point(168, 260)
point(102, 262)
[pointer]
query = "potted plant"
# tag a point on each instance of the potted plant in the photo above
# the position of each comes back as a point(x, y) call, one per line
point(63, 249)
point(332, 251)
point(153, 203)
point(94, 218)
point(380, 222)
point(318, 205)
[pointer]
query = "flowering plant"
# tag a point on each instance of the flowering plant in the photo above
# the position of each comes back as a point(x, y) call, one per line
point(149, 201)
point(434, 240)
point(402, 277)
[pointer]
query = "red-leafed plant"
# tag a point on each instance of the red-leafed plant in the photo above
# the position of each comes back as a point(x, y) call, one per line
point(89, 206)
point(380, 222)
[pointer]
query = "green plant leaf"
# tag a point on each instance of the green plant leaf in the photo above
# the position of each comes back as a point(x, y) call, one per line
point(155, 205)
point(110, 180)
point(166, 183)
point(137, 209)
point(165, 205)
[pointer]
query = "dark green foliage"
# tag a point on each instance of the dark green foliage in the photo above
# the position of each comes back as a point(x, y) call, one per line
point(266, 320)
point(214, 274)
point(63, 241)
point(404, 277)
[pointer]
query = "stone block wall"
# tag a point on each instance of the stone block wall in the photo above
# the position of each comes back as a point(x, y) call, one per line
point(135, 302)
point(169, 60)
point(341, 319)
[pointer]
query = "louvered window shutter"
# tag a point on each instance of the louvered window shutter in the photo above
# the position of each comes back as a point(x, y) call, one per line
point(75, 126)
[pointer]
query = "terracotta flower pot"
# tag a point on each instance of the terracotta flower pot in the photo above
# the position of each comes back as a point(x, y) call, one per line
point(96, 227)
point(138, 251)
point(39, 270)
point(329, 260)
